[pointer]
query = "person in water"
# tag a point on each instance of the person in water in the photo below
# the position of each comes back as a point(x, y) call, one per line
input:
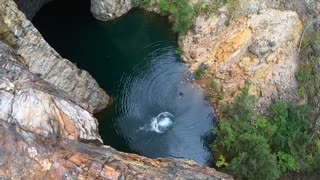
point(180, 94)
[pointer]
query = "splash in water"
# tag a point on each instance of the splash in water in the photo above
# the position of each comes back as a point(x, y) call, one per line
point(160, 124)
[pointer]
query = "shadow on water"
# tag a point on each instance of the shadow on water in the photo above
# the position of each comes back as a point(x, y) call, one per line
point(134, 59)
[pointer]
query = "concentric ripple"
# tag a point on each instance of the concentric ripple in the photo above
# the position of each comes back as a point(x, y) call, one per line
point(134, 58)
point(154, 118)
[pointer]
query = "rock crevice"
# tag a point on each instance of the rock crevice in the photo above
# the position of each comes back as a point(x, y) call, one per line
point(35, 105)
point(45, 61)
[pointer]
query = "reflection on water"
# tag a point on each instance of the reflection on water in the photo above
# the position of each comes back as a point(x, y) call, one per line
point(134, 58)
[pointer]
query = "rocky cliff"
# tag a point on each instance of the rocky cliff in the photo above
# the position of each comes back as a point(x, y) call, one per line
point(252, 41)
point(36, 106)
point(41, 126)
point(46, 106)
point(24, 155)
point(19, 33)
point(258, 48)
point(109, 9)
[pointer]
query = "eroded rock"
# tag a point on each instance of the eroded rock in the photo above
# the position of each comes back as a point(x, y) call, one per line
point(19, 32)
point(259, 48)
point(36, 106)
point(109, 9)
point(51, 158)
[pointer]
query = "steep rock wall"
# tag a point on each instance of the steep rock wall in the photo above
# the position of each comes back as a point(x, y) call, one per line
point(24, 155)
point(19, 32)
point(40, 130)
point(36, 106)
point(259, 48)
point(110, 9)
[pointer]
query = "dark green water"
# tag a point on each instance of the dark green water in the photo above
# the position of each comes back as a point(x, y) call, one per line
point(134, 59)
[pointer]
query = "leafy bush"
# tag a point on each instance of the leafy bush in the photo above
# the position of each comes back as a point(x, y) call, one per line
point(165, 6)
point(198, 73)
point(254, 159)
point(214, 85)
point(258, 147)
point(144, 3)
point(179, 51)
point(309, 73)
point(181, 12)
point(205, 8)
point(233, 5)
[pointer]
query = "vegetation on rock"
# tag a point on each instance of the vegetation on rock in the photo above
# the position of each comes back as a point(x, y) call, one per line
point(198, 73)
point(254, 146)
point(182, 12)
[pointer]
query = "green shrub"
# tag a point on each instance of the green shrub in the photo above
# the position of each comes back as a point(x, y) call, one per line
point(254, 159)
point(309, 72)
point(262, 147)
point(198, 73)
point(144, 3)
point(165, 6)
point(181, 12)
point(214, 85)
point(179, 51)
point(286, 162)
point(233, 5)
point(205, 8)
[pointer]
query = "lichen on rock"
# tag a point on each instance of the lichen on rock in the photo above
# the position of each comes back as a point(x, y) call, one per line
point(258, 48)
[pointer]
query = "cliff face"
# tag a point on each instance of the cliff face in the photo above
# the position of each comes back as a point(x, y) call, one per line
point(109, 9)
point(19, 33)
point(40, 126)
point(36, 106)
point(259, 48)
point(25, 155)
point(45, 105)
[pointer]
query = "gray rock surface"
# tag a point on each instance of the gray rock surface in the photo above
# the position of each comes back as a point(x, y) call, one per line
point(36, 106)
point(110, 9)
point(52, 158)
point(258, 48)
point(305, 8)
point(19, 32)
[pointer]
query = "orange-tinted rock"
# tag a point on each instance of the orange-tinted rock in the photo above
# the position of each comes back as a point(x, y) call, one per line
point(24, 154)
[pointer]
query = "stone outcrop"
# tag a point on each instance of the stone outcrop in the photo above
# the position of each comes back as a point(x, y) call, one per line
point(40, 126)
point(36, 106)
point(110, 9)
point(305, 8)
point(52, 158)
point(19, 32)
point(259, 48)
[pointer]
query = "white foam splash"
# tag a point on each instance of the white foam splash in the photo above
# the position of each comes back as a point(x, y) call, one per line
point(162, 123)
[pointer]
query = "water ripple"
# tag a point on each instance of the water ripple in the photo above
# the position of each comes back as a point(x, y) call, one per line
point(153, 89)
